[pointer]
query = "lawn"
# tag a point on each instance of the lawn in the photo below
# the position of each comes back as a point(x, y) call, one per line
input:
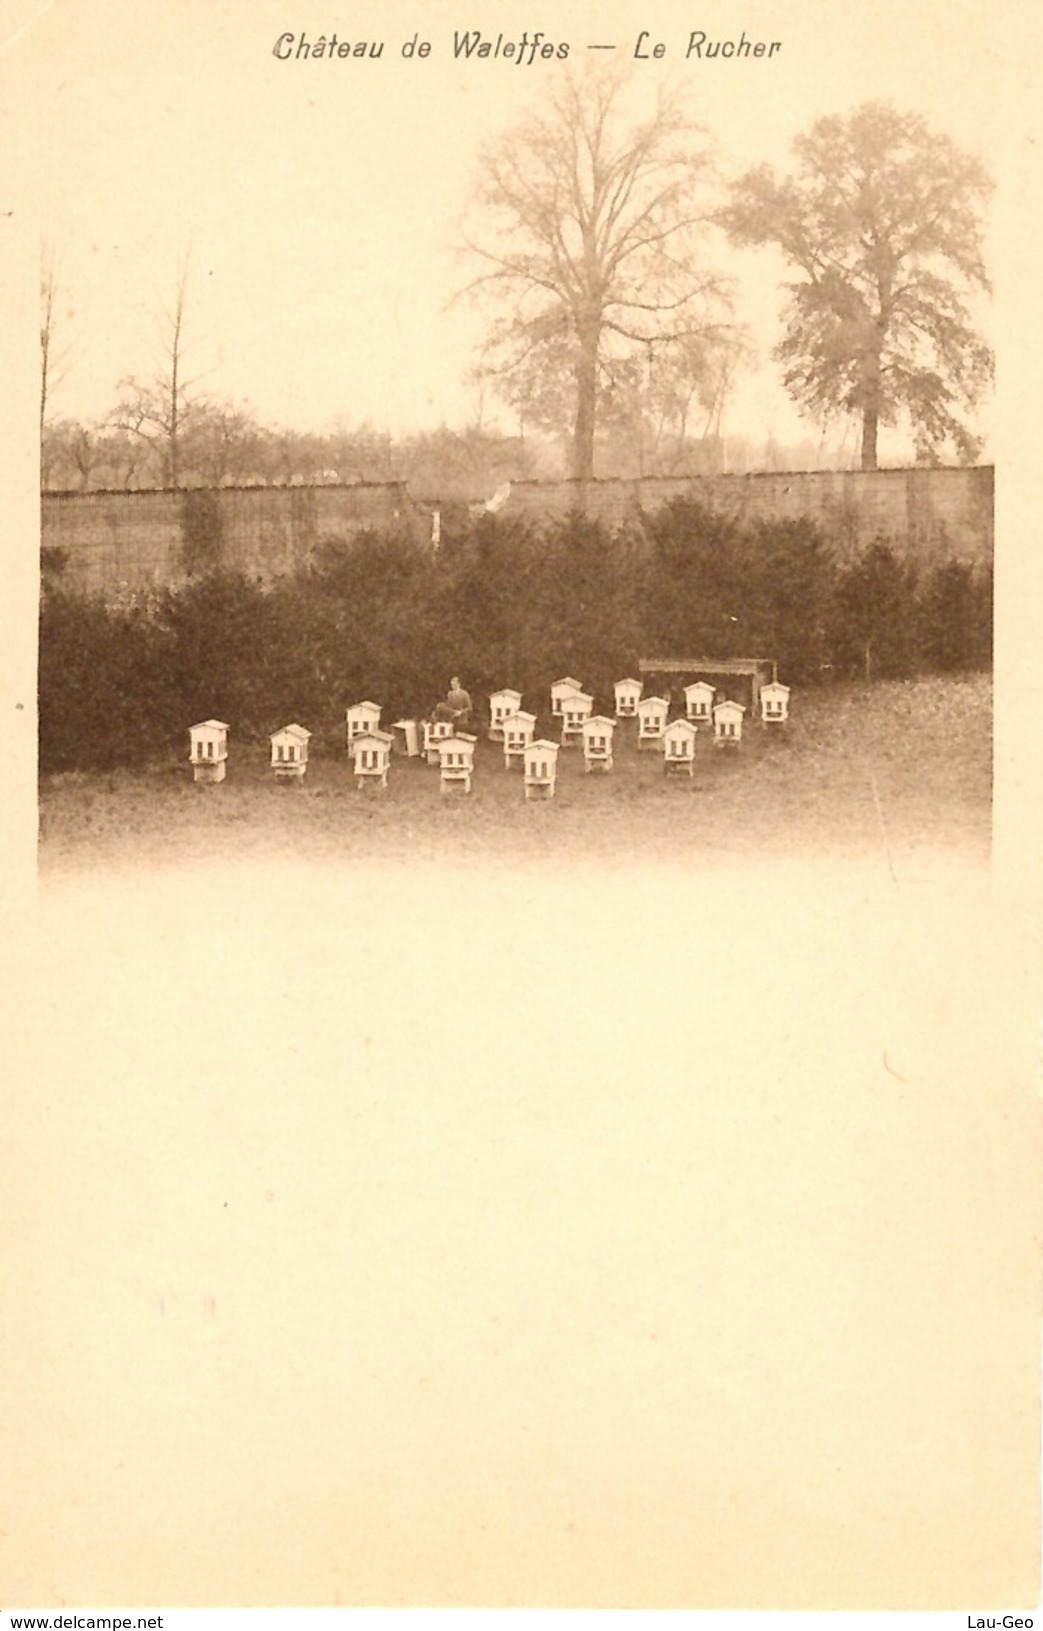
point(887, 768)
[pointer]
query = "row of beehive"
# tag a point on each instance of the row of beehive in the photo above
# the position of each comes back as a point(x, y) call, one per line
point(572, 705)
point(453, 751)
point(516, 730)
point(652, 713)
point(208, 751)
point(208, 755)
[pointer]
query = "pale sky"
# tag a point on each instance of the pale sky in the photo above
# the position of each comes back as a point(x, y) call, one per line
point(318, 199)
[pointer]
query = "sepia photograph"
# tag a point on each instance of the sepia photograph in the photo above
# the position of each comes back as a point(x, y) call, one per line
point(524, 837)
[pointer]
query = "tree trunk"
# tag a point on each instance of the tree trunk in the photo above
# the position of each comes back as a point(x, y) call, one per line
point(586, 392)
point(871, 385)
point(870, 424)
point(175, 472)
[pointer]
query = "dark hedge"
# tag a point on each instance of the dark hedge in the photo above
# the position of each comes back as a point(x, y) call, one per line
point(502, 603)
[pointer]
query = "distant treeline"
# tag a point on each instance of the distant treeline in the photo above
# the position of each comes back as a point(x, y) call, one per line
point(503, 602)
point(222, 446)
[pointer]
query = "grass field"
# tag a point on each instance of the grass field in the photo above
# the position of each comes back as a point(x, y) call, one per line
point(887, 768)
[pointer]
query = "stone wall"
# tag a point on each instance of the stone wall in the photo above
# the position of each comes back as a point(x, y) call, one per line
point(138, 538)
point(928, 515)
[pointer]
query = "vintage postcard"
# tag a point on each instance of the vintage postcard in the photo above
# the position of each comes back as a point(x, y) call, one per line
point(523, 865)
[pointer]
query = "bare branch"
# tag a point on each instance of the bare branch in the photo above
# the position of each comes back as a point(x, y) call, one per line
point(593, 217)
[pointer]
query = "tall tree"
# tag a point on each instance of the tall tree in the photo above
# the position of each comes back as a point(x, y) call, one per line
point(591, 234)
point(158, 408)
point(51, 361)
point(882, 222)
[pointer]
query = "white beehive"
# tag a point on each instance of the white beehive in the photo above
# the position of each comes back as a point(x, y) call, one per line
point(561, 689)
point(727, 723)
point(208, 750)
point(628, 695)
point(501, 705)
point(456, 761)
point(698, 702)
point(576, 708)
point(774, 703)
point(598, 731)
point(651, 721)
point(679, 747)
point(360, 718)
point(372, 758)
point(290, 752)
point(541, 769)
point(435, 731)
point(518, 731)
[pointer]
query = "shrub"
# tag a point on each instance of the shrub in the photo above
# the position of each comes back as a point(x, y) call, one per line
point(956, 617)
point(875, 616)
point(223, 657)
point(104, 685)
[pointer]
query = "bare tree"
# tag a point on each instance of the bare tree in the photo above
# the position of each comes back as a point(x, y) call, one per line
point(70, 454)
point(158, 408)
point(52, 361)
point(221, 445)
point(591, 235)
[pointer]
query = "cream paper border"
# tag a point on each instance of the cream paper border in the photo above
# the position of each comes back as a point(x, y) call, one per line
point(592, 1473)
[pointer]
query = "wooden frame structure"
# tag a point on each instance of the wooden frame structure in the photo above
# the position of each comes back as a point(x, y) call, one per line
point(755, 671)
